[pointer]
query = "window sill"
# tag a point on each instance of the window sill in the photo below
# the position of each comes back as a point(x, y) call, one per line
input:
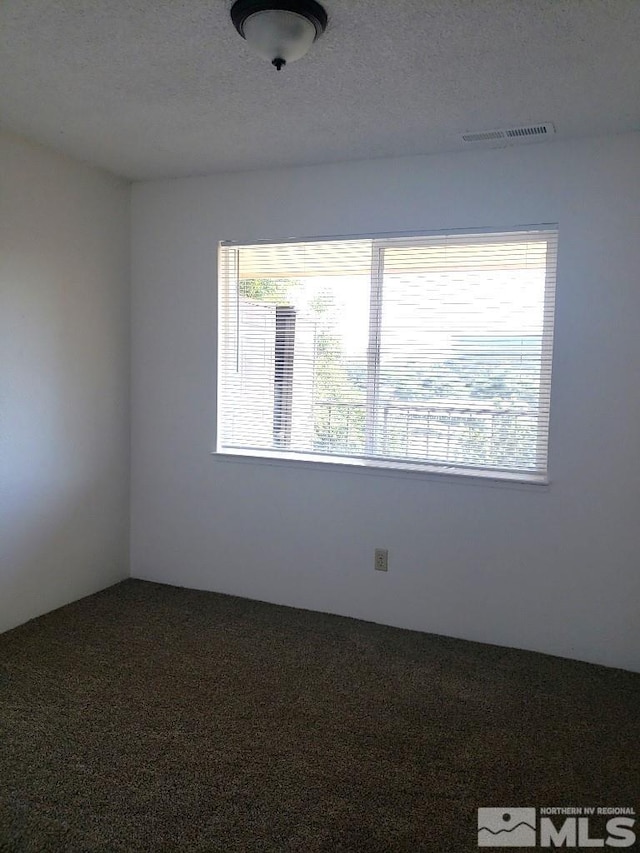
point(449, 474)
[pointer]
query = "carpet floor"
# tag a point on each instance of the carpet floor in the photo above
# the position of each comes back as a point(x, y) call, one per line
point(151, 718)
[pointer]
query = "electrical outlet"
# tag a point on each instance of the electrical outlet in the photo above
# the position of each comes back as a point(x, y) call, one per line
point(381, 560)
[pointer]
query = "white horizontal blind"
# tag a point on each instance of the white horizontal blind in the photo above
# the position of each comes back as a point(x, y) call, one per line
point(428, 352)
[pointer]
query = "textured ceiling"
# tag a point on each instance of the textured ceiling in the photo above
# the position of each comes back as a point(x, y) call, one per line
point(149, 88)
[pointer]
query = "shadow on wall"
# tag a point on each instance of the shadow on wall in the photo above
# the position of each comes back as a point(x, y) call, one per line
point(56, 545)
point(64, 379)
point(63, 476)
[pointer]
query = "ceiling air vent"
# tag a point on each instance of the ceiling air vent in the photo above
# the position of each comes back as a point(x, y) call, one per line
point(511, 135)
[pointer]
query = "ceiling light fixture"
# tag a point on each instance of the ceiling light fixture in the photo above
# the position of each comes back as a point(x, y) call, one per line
point(279, 30)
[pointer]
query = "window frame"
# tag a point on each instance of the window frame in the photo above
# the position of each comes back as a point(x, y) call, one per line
point(392, 465)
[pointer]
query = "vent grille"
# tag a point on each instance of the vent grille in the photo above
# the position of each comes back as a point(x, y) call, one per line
point(507, 135)
point(485, 136)
point(534, 130)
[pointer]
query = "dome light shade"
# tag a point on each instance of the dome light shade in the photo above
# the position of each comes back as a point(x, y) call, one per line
point(280, 32)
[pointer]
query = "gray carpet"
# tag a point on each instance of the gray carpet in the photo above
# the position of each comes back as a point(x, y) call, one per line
point(151, 718)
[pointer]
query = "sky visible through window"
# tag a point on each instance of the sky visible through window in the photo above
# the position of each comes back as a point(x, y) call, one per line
point(429, 310)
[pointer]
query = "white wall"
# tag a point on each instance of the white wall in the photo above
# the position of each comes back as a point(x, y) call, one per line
point(64, 380)
point(553, 569)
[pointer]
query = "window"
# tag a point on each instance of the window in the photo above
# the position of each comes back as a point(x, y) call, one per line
point(430, 353)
